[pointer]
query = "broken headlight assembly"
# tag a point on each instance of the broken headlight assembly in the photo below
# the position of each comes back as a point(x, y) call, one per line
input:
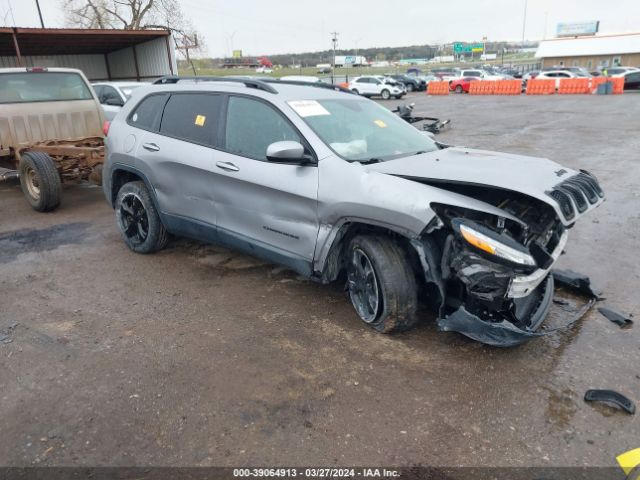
point(492, 243)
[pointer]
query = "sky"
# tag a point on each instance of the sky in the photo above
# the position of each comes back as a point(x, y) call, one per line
point(263, 27)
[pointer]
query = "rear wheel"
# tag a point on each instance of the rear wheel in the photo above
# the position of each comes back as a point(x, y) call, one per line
point(138, 220)
point(355, 90)
point(459, 89)
point(40, 181)
point(410, 87)
point(381, 283)
point(385, 94)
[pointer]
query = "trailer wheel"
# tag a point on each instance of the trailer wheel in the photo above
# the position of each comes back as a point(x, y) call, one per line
point(40, 181)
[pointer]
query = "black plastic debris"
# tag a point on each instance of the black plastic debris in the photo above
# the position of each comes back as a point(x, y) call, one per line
point(611, 397)
point(616, 317)
point(577, 282)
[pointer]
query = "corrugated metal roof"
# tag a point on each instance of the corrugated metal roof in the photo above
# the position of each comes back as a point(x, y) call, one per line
point(72, 41)
point(596, 45)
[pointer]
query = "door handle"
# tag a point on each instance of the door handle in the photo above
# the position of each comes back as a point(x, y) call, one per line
point(152, 147)
point(230, 167)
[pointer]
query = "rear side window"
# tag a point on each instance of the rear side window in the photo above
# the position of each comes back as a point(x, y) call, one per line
point(193, 117)
point(252, 126)
point(148, 112)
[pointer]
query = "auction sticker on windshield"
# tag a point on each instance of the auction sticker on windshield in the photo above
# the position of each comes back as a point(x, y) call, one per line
point(308, 108)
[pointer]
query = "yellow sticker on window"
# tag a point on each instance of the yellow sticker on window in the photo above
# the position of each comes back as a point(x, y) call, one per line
point(200, 119)
point(380, 123)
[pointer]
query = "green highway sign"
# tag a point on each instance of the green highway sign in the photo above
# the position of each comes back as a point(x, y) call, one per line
point(459, 47)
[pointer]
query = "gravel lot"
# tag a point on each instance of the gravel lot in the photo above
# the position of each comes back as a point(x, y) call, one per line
point(200, 356)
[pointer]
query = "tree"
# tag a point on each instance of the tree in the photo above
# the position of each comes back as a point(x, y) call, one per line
point(134, 15)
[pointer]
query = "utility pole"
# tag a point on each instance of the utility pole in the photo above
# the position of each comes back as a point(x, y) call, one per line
point(187, 44)
point(524, 22)
point(40, 13)
point(334, 41)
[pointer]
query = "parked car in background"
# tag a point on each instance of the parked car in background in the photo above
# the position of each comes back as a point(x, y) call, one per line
point(512, 72)
point(301, 78)
point(113, 95)
point(445, 73)
point(324, 70)
point(412, 83)
point(476, 73)
point(557, 75)
point(576, 71)
point(371, 86)
point(264, 69)
point(462, 85)
point(393, 82)
point(334, 187)
point(620, 71)
point(631, 80)
point(530, 75)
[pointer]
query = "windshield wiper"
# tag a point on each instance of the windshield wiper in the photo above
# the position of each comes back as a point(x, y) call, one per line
point(370, 161)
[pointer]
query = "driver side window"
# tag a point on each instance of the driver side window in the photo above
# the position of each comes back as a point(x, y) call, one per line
point(252, 126)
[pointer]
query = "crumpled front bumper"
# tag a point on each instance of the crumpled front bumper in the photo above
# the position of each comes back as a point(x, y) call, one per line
point(500, 334)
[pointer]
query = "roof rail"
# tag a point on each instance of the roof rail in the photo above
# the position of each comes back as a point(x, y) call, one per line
point(248, 82)
point(330, 86)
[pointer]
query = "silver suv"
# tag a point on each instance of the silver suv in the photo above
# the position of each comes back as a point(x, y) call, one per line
point(336, 187)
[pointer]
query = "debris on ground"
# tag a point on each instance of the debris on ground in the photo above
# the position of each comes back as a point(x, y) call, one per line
point(610, 397)
point(576, 281)
point(616, 317)
point(5, 334)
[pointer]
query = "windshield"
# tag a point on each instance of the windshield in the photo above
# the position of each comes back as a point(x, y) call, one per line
point(362, 130)
point(42, 87)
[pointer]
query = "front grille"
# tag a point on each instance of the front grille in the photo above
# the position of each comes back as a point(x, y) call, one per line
point(585, 187)
point(576, 195)
point(564, 202)
point(575, 192)
point(590, 179)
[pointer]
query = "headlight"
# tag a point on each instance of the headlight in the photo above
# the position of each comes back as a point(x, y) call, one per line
point(493, 246)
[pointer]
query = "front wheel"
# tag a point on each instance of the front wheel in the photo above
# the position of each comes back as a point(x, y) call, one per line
point(381, 283)
point(459, 89)
point(410, 87)
point(356, 91)
point(40, 181)
point(385, 94)
point(138, 220)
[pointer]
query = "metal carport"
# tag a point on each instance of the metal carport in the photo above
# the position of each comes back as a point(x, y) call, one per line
point(100, 54)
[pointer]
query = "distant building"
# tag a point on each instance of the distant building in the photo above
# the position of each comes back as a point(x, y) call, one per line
point(591, 52)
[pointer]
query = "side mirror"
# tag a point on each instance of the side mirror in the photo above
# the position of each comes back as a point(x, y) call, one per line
point(114, 102)
point(286, 152)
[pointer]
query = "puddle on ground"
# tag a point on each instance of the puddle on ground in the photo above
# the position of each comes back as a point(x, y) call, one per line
point(29, 240)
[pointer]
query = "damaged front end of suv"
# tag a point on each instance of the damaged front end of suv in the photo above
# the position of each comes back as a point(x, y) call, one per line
point(491, 273)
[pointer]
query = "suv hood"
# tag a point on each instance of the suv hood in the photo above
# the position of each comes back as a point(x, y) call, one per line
point(531, 176)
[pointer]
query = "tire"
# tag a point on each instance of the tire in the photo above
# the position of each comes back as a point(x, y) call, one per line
point(40, 181)
point(384, 274)
point(410, 87)
point(138, 220)
point(459, 89)
point(355, 90)
point(398, 97)
point(385, 94)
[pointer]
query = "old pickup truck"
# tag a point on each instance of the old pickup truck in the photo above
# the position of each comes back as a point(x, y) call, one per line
point(51, 131)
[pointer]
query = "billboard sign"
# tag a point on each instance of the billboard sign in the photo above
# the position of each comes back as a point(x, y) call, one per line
point(573, 29)
point(459, 47)
point(237, 54)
